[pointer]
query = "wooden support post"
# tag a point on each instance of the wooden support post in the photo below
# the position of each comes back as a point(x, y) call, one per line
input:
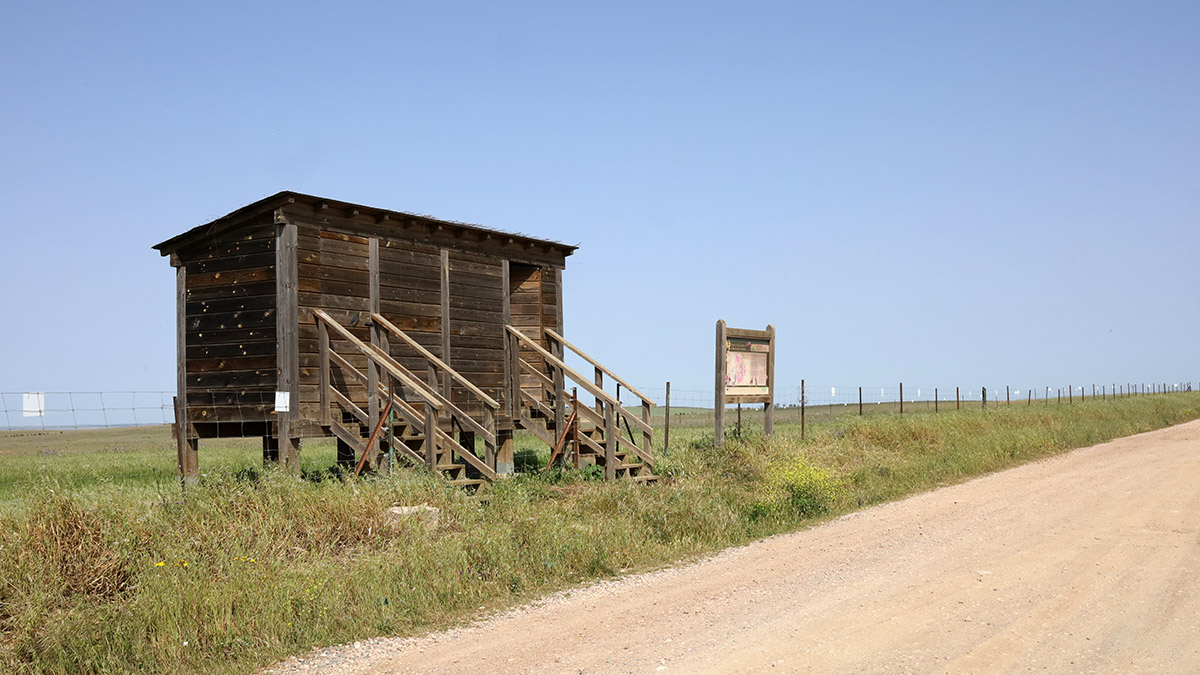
point(186, 448)
point(504, 452)
point(1070, 393)
point(719, 411)
point(957, 400)
point(379, 338)
point(445, 316)
point(511, 369)
point(769, 406)
point(287, 342)
point(187, 445)
point(667, 424)
point(739, 419)
point(1007, 398)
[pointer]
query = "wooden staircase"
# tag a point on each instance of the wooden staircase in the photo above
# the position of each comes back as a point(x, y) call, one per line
point(414, 420)
point(407, 418)
point(607, 434)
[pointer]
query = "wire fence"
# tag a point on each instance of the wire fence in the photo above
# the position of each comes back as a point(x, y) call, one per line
point(100, 410)
point(853, 395)
point(85, 409)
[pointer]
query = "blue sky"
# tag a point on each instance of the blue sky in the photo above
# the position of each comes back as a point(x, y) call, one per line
point(958, 193)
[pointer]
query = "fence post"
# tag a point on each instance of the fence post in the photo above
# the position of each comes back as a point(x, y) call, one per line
point(719, 390)
point(1030, 392)
point(802, 403)
point(957, 400)
point(860, 401)
point(984, 398)
point(1007, 400)
point(1070, 393)
point(901, 398)
point(935, 399)
point(667, 429)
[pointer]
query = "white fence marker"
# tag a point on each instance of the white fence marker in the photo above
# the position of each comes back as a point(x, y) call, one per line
point(33, 404)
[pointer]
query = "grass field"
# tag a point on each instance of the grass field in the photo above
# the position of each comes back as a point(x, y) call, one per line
point(106, 567)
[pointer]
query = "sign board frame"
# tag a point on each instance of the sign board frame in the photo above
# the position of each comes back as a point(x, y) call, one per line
point(752, 343)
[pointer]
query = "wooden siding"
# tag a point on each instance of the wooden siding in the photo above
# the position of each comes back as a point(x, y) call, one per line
point(477, 322)
point(527, 290)
point(229, 325)
point(332, 275)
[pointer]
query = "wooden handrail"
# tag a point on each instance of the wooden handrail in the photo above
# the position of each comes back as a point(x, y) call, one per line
point(429, 356)
point(432, 400)
point(633, 390)
point(394, 369)
point(581, 380)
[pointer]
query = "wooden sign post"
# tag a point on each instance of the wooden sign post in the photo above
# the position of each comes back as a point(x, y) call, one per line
point(745, 373)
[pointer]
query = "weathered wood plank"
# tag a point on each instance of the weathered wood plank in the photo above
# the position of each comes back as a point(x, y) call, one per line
point(230, 336)
point(232, 278)
point(231, 320)
point(214, 365)
point(343, 236)
point(217, 292)
point(234, 350)
point(232, 379)
point(229, 304)
point(209, 265)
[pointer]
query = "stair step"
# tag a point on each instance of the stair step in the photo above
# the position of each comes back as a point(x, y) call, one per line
point(467, 482)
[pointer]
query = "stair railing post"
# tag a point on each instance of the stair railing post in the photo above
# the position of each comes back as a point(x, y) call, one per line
point(647, 437)
point(373, 388)
point(323, 335)
point(599, 385)
point(610, 443)
point(430, 437)
point(560, 393)
point(514, 376)
point(489, 447)
point(575, 425)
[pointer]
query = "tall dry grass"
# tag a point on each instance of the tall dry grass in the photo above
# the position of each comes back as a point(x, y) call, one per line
point(252, 566)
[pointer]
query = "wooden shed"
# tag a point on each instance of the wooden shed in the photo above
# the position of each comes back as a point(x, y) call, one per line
point(408, 338)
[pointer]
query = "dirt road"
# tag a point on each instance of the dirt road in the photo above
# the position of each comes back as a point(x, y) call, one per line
point(1088, 562)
